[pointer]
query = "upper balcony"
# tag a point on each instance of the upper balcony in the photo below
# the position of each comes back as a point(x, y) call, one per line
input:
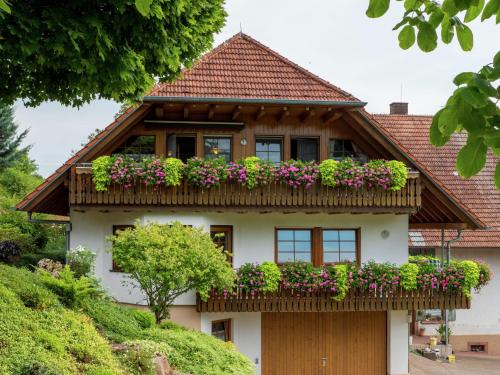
point(231, 196)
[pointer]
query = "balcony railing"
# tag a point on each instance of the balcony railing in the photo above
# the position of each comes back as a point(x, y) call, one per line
point(286, 301)
point(234, 196)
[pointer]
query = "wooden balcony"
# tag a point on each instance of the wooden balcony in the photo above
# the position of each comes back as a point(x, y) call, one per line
point(234, 197)
point(286, 301)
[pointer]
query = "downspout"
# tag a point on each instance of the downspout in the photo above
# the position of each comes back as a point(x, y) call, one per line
point(67, 226)
point(448, 258)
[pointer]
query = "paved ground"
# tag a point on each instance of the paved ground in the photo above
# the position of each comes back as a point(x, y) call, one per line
point(465, 365)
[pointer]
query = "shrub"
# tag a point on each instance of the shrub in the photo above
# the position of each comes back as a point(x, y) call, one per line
point(70, 290)
point(296, 173)
point(328, 172)
point(13, 242)
point(341, 281)
point(165, 261)
point(272, 276)
point(144, 318)
point(471, 275)
point(100, 172)
point(206, 173)
point(81, 261)
point(399, 174)
point(174, 169)
point(408, 273)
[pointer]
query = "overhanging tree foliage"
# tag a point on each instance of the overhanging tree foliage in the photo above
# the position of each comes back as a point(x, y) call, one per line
point(10, 141)
point(112, 49)
point(473, 106)
point(166, 261)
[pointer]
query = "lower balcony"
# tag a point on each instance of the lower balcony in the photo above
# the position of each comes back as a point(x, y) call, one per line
point(285, 300)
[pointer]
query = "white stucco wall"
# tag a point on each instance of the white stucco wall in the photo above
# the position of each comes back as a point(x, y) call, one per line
point(253, 241)
point(483, 318)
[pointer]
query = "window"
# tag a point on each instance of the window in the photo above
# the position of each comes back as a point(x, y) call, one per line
point(182, 147)
point(222, 329)
point(222, 235)
point(317, 245)
point(269, 149)
point(294, 245)
point(137, 146)
point(216, 147)
point(305, 149)
point(339, 245)
point(339, 149)
point(116, 229)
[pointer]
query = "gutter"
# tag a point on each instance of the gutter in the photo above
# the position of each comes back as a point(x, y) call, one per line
point(171, 99)
point(459, 206)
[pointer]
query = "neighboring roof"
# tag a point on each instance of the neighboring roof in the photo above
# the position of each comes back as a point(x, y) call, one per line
point(243, 68)
point(478, 193)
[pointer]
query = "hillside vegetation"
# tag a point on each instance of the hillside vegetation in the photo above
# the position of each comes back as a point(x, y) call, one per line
point(41, 335)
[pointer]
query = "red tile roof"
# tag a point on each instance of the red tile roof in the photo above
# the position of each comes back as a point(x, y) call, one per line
point(478, 193)
point(243, 68)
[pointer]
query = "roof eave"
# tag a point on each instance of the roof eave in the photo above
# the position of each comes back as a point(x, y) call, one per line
point(184, 99)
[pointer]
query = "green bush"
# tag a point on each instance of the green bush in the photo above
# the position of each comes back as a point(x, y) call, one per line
point(174, 170)
point(408, 273)
point(342, 281)
point(272, 276)
point(138, 358)
point(327, 171)
point(81, 261)
point(144, 318)
point(100, 172)
point(471, 275)
point(399, 174)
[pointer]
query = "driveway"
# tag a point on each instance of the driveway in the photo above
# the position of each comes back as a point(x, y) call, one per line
point(465, 365)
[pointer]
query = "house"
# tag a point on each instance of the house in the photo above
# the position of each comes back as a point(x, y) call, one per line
point(477, 329)
point(244, 99)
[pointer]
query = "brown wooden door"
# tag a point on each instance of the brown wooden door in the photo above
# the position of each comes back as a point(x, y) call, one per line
point(343, 343)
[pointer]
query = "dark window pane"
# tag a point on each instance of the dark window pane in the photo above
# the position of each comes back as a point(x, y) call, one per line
point(217, 147)
point(221, 330)
point(305, 149)
point(137, 146)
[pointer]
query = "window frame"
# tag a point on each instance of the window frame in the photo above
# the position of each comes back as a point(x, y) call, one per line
point(330, 149)
point(228, 229)
point(317, 139)
point(115, 228)
point(122, 145)
point(227, 328)
point(317, 243)
point(223, 136)
point(271, 138)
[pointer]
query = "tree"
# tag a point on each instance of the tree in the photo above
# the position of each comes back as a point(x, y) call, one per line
point(473, 106)
point(10, 152)
point(166, 261)
point(112, 49)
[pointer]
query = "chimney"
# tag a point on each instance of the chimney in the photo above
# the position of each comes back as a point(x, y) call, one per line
point(398, 108)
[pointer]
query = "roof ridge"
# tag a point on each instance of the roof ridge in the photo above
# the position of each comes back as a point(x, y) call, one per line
point(401, 114)
point(296, 66)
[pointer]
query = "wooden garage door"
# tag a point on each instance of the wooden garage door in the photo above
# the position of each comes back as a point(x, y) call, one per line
point(342, 343)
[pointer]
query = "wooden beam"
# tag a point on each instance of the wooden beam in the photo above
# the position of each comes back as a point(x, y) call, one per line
point(186, 111)
point(211, 111)
point(284, 113)
point(331, 116)
point(236, 112)
point(159, 112)
point(261, 112)
point(308, 113)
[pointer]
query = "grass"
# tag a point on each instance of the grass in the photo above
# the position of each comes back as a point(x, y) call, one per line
point(38, 335)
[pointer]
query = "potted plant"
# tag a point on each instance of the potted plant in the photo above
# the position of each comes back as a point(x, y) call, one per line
point(441, 331)
point(421, 331)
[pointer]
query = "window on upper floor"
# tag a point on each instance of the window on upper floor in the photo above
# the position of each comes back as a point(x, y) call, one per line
point(216, 147)
point(222, 329)
point(317, 245)
point(222, 235)
point(305, 149)
point(137, 146)
point(269, 149)
point(339, 149)
point(181, 146)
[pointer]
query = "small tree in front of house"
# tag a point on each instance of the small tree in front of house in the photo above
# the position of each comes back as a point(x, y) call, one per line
point(165, 261)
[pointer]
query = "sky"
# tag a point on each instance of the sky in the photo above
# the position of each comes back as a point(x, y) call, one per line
point(333, 39)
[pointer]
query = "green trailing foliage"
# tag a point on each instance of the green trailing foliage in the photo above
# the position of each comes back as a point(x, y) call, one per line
point(100, 172)
point(471, 275)
point(117, 51)
point(327, 171)
point(342, 281)
point(473, 106)
point(399, 174)
point(272, 276)
point(174, 171)
point(408, 273)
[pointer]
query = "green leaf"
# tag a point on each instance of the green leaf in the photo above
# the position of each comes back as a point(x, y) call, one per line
point(427, 37)
point(490, 9)
point(410, 4)
point(463, 78)
point(377, 8)
point(143, 6)
point(497, 175)
point(474, 11)
point(496, 59)
point(471, 119)
point(449, 7)
point(436, 18)
point(474, 97)
point(404, 21)
point(4, 6)
point(465, 37)
point(484, 86)
point(406, 37)
point(435, 136)
point(447, 30)
point(448, 120)
point(471, 158)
